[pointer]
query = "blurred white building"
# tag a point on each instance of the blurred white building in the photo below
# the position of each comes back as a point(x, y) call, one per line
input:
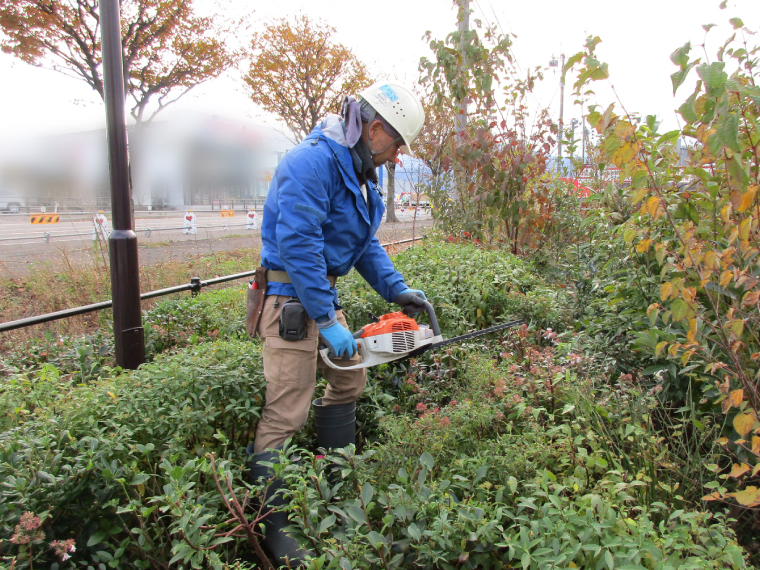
point(182, 160)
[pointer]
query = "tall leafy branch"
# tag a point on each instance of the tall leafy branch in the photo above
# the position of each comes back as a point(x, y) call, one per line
point(697, 228)
point(493, 188)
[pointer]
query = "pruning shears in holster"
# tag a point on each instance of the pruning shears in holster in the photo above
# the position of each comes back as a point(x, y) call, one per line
point(257, 294)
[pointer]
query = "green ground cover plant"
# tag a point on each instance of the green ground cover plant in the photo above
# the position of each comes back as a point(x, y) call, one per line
point(508, 468)
point(503, 452)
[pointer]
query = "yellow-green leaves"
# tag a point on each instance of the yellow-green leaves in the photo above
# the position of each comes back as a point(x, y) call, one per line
point(748, 199)
point(749, 497)
point(744, 227)
point(743, 424)
point(653, 206)
point(643, 246)
point(726, 134)
point(714, 77)
point(680, 57)
point(652, 312)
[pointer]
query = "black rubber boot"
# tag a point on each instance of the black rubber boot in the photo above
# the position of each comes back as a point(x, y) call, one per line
point(335, 425)
point(283, 547)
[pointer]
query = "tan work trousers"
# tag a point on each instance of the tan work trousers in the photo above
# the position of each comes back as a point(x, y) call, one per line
point(290, 368)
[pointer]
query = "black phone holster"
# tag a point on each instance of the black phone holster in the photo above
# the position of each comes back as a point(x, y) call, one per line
point(293, 319)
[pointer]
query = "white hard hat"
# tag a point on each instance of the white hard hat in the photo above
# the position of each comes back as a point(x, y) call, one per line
point(400, 107)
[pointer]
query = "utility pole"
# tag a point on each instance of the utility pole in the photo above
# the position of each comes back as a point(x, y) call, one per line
point(561, 108)
point(574, 125)
point(128, 331)
point(463, 26)
point(583, 134)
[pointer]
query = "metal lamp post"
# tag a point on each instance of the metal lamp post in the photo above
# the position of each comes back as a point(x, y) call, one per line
point(128, 331)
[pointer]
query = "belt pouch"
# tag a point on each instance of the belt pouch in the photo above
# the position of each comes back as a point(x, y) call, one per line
point(257, 294)
point(293, 320)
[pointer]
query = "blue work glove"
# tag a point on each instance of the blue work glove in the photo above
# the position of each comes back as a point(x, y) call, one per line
point(411, 301)
point(339, 340)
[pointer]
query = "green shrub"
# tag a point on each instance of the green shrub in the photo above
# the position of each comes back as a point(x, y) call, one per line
point(189, 320)
point(463, 518)
point(465, 451)
point(172, 323)
point(470, 288)
point(99, 458)
point(518, 463)
point(81, 357)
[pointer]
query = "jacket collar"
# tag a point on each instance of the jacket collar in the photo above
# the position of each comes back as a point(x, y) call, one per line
point(332, 131)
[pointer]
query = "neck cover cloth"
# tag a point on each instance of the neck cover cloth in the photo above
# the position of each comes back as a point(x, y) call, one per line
point(363, 165)
point(352, 119)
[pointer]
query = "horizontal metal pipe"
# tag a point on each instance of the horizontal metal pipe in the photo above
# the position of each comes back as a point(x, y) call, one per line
point(402, 241)
point(167, 291)
point(227, 278)
point(66, 313)
point(21, 323)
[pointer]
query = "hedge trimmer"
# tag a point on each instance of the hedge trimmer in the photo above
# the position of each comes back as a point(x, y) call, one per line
point(395, 336)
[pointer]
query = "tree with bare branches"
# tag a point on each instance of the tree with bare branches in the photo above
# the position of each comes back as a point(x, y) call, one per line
point(300, 74)
point(431, 144)
point(429, 147)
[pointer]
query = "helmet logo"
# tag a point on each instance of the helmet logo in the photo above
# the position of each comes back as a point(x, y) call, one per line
point(389, 92)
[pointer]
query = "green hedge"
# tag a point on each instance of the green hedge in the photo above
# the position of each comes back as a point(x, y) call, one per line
point(470, 288)
point(491, 454)
point(95, 451)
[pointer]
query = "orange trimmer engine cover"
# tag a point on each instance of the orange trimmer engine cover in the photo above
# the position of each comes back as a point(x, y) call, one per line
point(390, 323)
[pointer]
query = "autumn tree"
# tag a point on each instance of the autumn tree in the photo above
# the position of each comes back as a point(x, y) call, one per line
point(167, 48)
point(299, 73)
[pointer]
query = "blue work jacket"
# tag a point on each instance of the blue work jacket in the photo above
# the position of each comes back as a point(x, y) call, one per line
point(317, 223)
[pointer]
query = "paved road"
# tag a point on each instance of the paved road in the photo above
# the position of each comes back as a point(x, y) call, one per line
point(160, 237)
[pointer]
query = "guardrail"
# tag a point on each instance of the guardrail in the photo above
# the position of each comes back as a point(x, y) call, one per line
point(48, 236)
point(195, 286)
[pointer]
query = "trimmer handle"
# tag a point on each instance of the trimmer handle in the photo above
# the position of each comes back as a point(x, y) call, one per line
point(433, 318)
point(324, 343)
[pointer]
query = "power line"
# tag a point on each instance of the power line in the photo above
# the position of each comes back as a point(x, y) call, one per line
point(513, 62)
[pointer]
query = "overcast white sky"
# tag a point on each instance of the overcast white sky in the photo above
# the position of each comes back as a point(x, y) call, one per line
point(637, 38)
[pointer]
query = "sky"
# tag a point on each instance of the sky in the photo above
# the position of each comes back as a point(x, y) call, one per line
point(637, 39)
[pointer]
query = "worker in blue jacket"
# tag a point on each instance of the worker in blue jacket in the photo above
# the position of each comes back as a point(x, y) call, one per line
point(319, 221)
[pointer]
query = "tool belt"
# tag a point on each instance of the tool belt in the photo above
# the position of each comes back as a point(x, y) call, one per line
point(274, 276)
point(257, 294)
